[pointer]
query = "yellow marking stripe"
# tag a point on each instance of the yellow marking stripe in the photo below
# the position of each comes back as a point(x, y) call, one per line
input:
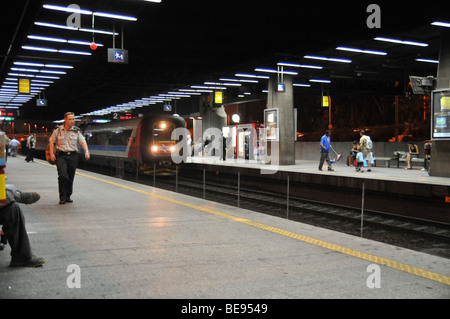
point(354, 253)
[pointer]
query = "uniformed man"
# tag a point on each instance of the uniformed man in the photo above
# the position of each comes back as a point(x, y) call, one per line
point(66, 138)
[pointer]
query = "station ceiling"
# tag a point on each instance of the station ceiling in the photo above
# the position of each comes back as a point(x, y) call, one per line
point(175, 44)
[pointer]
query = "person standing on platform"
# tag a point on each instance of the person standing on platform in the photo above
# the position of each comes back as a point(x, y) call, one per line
point(66, 138)
point(325, 149)
point(365, 149)
point(31, 143)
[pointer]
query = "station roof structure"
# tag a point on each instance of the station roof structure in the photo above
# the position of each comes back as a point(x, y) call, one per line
point(174, 45)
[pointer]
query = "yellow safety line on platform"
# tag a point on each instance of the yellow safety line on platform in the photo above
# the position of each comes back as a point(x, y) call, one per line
point(344, 250)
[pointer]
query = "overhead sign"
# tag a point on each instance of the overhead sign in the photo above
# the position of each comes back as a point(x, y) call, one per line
point(24, 86)
point(281, 88)
point(326, 101)
point(117, 56)
point(168, 108)
point(41, 102)
point(218, 97)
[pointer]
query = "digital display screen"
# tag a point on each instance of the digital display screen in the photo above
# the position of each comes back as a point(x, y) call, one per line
point(441, 114)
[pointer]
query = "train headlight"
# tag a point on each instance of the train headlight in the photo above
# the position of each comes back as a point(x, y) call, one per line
point(172, 148)
point(155, 148)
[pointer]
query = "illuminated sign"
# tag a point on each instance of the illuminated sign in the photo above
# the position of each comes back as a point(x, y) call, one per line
point(218, 97)
point(440, 111)
point(281, 88)
point(118, 56)
point(41, 102)
point(24, 86)
point(326, 101)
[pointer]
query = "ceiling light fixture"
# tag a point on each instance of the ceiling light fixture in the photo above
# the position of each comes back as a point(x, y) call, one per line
point(428, 61)
point(319, 81)
point(65, 27)
point(245, 75)
point(441, 24)
point(313, 57)
point(88, 12)
point(52, 50)
point(59, 40)
point(361, 51)
point(419, 44)
point(300, 65)
point(275, 71)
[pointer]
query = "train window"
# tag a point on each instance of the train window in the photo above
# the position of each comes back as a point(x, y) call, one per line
point(119, 137)
point(162, 131)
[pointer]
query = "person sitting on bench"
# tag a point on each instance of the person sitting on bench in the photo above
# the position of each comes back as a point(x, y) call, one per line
point(413, 152)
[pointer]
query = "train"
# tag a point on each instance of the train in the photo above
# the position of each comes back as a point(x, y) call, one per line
point(145, 143)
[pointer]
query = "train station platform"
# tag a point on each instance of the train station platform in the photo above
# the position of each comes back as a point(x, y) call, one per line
point(120, 239)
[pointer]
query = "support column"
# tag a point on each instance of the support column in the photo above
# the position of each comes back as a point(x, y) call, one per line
point(285, 103)
point(440, 151)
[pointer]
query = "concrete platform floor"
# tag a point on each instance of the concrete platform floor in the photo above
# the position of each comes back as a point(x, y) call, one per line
point(119, 239)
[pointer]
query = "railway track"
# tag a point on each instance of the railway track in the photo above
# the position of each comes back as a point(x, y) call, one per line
point(407, 232)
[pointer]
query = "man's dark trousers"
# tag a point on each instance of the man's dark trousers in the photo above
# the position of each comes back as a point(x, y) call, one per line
point(66, 165)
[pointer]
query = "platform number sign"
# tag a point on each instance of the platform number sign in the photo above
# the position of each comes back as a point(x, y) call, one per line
point(118, 56)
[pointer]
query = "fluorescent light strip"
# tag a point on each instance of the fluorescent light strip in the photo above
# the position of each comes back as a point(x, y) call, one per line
point(300, 65)
point(244, 75)
point(51, 50)
point(222, 84)
point(319, 81)
point(59, 26)
point(32, 48)
point(114, 16)
point(361, 51)
point(59, 40)
point(87, 12)
point(419, 44)
point(40, 65)
point(302, 85)
point(441, 24)
point(428, 61)
point(37, 71)
point(313, 57)
point(275, 71)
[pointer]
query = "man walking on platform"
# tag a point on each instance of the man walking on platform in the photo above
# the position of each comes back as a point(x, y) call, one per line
point(325, 149)
point(66, 138)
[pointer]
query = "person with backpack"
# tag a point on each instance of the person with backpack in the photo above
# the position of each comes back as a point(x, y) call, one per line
point(366, 146)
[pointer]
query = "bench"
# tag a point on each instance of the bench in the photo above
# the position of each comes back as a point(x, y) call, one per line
point(398, 157)
point(402, 158)
point(387, 160)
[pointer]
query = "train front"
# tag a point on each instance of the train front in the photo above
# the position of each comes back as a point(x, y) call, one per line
point(157, 144)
